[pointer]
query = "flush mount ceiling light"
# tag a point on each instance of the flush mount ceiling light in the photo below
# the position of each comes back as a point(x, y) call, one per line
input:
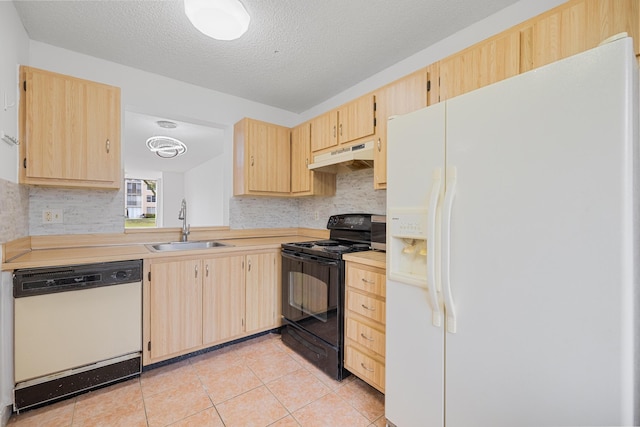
point(166, 147)
point(219, 19)
point(166, 124)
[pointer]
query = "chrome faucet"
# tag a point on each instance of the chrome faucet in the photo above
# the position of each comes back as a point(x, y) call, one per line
point(182, 215)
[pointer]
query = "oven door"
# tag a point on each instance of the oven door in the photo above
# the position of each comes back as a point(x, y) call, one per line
point(311, 295)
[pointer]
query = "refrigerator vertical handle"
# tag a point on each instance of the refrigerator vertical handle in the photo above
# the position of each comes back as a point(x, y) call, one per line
point(434, 198)
point(449, 195)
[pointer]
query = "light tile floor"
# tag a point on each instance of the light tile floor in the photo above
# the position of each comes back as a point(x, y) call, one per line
point(259, 382)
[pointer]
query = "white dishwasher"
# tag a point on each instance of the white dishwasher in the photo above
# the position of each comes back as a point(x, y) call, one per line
point(76, 328)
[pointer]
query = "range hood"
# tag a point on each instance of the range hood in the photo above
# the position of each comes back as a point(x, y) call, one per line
point(353, 158)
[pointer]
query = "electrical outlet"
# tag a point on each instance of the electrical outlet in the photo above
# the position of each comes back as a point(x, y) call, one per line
point(52, 216)
point(316, 215)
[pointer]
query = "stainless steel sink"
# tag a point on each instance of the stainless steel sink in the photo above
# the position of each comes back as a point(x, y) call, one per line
point(186, 246)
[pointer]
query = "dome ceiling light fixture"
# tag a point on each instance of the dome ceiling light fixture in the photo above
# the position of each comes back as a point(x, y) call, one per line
point(219, 19)
point(166, 147)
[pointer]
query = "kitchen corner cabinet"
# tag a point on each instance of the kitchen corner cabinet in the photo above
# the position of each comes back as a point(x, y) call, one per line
point(400, 97)
point(69, 131)
point(194, 303)
point(344, 125)
point(305, 182)
point(365, 323)
point(261, 159)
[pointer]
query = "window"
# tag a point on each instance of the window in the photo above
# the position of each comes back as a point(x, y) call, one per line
point(140, 207)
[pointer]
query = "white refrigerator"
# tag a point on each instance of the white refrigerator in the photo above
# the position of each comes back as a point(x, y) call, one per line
point(512, 251)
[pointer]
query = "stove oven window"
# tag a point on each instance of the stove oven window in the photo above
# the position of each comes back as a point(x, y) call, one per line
point(310, 295)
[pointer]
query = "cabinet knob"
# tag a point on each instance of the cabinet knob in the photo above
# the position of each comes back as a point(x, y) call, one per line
point(108, 145)
point(196, 271)
point(334, 131)
point(371, 282)
point(340, 129)
point(251, 160)
point(249, 265)
point(207, 270)
point(379, 145)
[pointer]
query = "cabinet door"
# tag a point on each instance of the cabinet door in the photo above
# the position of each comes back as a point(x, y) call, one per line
point(261, 281)
point(576, 27)
point(269, 157)
point(324, 131)
point(300, 158)
point(223, 294)
point(175, 307)
point(102, 132)
point(52, 147)
point(400, 97)
point(71, 131)
point(482, 64)
point(356, 119)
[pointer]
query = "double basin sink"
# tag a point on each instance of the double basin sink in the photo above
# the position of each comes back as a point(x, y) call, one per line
point(186, 246)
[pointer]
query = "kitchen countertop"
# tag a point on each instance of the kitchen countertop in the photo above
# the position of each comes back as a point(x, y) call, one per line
point(107, 253)
point(370, 258)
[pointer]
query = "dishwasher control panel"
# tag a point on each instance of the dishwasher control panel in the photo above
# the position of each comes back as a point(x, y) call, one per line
point(41, 281)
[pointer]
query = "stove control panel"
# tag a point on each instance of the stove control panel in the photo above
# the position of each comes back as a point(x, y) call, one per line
point(350, 222)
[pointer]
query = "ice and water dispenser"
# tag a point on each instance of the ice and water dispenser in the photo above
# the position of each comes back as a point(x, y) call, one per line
point(408, 246)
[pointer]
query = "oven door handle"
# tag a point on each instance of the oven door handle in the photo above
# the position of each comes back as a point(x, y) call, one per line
point(306, 258)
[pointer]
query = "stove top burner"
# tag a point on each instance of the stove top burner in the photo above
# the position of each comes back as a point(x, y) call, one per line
point(327, 243)
point(327, 248)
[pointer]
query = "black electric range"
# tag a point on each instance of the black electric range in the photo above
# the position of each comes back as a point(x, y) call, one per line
point(313, 291)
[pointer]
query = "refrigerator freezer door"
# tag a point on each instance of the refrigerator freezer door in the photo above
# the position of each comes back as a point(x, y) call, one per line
point(542, 247)
point(415, 347)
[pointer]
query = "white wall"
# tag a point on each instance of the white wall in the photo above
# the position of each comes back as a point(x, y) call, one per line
point(494, 24)
point(14, 49)
point(156, 95)
point(204, 191)
point(171, 195)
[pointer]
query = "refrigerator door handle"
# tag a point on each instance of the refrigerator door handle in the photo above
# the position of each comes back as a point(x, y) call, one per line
point(447, 207)
point(434, 198)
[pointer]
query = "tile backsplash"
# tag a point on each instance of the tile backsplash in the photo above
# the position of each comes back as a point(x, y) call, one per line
point(84, 211)
point(354, 193)
point(14, 215)
point(88, 211)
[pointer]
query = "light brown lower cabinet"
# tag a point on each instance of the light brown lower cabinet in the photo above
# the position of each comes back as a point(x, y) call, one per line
point(365, 323)
point(197, 302)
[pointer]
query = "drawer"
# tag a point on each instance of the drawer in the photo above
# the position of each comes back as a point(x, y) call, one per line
point(364, 367)
point(368, 279)
point(369, 307)
point(366, 336)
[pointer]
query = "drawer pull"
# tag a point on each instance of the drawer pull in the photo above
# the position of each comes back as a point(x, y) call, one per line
point(371, 282)
point(366, 337)
point(368, 308)
point(365, 368)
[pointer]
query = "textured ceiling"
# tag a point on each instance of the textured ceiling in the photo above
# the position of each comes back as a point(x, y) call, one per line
point(296, 54)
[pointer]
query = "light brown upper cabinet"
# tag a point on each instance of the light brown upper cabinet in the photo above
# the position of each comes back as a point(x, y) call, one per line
point(305, 182)
point(345, 124)
point(400, 97)
point(261, 159)
point(357, 119)
point(70, 131)
point(575, 27)
point(480, 65)
point(324, 131)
